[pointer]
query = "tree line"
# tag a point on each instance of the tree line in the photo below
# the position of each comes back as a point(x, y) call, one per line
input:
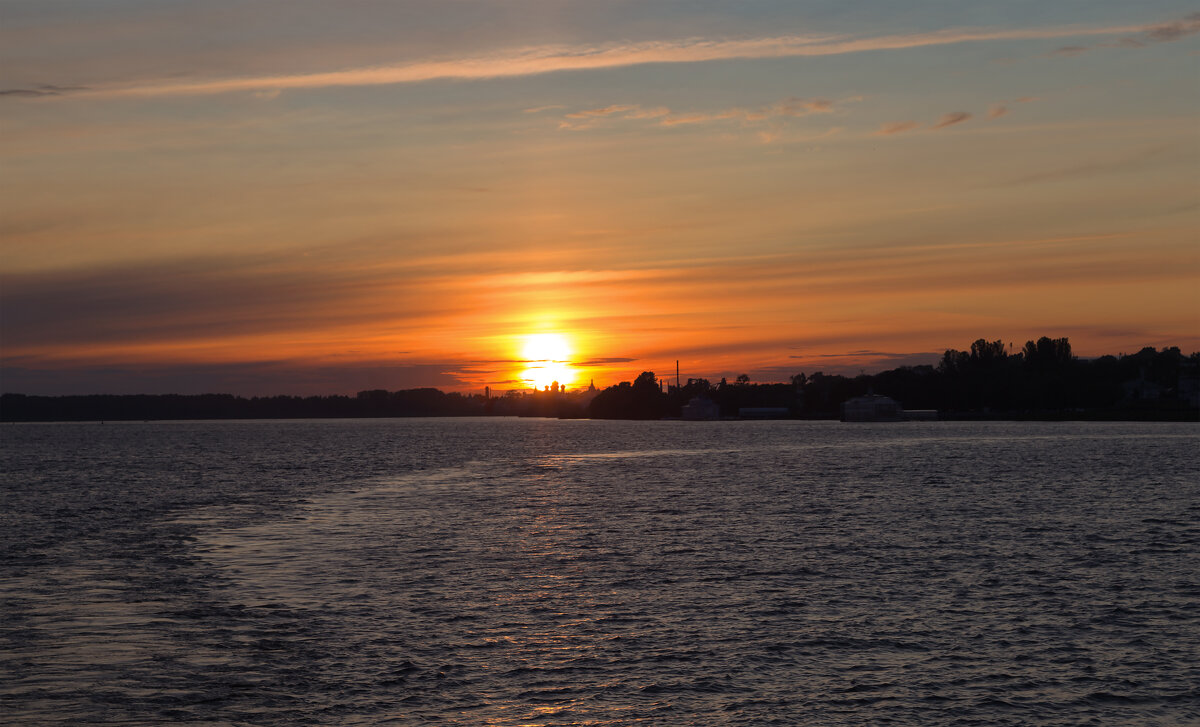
point(1042, 380)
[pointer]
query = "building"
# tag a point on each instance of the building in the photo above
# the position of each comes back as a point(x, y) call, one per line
point(872, 408)
point(701, 408)
point(1189, 390)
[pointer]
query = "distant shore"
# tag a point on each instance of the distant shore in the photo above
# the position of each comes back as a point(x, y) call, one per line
point(1043, 382)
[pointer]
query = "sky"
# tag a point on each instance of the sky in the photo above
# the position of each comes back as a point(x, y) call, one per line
point(268, 197)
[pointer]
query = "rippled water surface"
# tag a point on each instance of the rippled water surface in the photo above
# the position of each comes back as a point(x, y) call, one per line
point(535, 572)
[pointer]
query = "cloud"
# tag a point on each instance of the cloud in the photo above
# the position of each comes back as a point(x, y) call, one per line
point(553, 58)
point(1163, 33)
point(1001, 109)
point(1123, 43)
point(587, 118)
point(606, 111)
point(1132, 162)
point(23, 92)
point(701, 117)
point(804, 106)
point(655, 113)
point(602, 362)
point(358, 313)
point(788, 108)
point(952, 118)
point(852, 361)
point(896, 127)
point(199, 299)
point(39, 91)
point(1174, 30)
point(244, 378)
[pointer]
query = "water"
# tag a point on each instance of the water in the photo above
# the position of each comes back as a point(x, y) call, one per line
point(535, 572)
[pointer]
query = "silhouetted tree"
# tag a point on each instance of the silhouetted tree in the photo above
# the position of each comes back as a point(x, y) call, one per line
point(986, 352)
point(1048, 352)
point(643, 399)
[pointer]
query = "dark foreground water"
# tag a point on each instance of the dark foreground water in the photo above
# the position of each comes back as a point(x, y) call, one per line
point(531, 572)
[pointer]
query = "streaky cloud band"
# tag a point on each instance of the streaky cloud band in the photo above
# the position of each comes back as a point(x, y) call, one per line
point(550, 59)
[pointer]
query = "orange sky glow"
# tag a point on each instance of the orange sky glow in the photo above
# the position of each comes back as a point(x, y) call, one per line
point(378, 202)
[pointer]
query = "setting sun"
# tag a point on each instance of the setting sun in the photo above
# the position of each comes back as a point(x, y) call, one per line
point(547, 360)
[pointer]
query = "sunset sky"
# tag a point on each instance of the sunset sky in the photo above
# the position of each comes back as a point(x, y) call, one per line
point(308, 197)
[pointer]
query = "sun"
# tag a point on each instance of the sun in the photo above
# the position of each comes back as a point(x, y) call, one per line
point(546, 347)
point(547, 357)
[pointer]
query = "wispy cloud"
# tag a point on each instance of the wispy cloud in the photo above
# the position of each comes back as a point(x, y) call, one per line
point(608, 361)
point(948, 119)
point(247, 378)
point(897, 127)
point(606, 111)
point(1069, 50)
point(1161, 33)
point(132, 304)
point(1129, 162)
point(869, 358)
point(701, 117)
point(547, 59)
point(804, 106)
point(952, 118)
point(42, 90)
point(1174, 30)
point(653, 113)
point(663, 116)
